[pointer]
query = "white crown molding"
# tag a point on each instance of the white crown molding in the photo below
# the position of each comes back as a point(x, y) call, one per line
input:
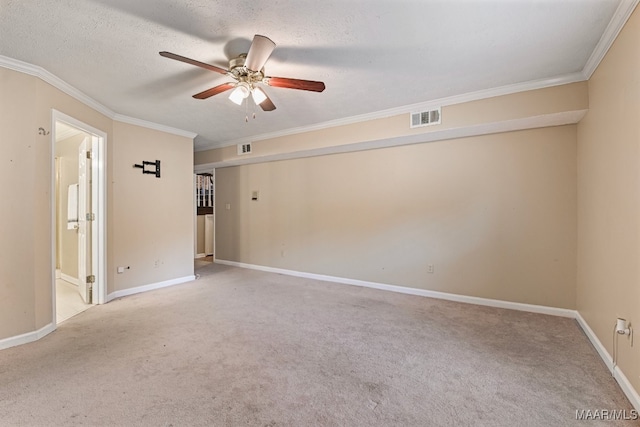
point(546, 120)
point(54, 81)
point(23, 67)
point(619, 19)
point(30, 69)
point(421, 106)
point(152, 125)
point(58, 83)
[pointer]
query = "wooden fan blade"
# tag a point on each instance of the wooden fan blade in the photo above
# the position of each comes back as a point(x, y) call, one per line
point(267, 104)
point(259, 52)
point(214, 91)
point(193, 62)
point(294, 84)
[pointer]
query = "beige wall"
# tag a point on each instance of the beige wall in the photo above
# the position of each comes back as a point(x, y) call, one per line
point(546, 217)
point(153, 216)
point(26, 267)
point(21, 203)
point(608, 279)
point(495, 215)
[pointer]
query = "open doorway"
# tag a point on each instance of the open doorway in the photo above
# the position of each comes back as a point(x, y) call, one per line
point(78, 216)
point(204, 220)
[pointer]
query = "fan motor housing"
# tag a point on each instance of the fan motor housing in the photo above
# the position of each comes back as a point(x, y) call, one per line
point(237, 61)
point(240, 72)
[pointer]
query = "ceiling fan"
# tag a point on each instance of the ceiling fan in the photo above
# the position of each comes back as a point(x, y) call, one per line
point(247, 70)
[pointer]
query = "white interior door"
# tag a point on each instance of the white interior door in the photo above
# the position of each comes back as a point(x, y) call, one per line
point(84, 226)
point(93, 191)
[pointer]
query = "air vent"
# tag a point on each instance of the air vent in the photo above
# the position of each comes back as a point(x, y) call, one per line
point(244, 149)
point(425, 118)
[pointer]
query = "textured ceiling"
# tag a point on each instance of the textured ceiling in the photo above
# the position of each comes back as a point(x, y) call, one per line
point(373, 55)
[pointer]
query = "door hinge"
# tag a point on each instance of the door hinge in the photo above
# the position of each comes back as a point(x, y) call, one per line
point(91, 279)
point(91, 217)
point(88, 154)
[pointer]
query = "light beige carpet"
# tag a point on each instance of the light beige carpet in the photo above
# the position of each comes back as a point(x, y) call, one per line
point(246, 348)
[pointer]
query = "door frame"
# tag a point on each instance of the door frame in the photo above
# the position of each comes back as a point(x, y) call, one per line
point(99, 205)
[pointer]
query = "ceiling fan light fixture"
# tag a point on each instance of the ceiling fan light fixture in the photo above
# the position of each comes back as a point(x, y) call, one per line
point(258, 95)
point(241, 92)
point(247, 70)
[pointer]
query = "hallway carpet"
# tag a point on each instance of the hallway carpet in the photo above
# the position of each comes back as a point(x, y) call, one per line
point(246, 348)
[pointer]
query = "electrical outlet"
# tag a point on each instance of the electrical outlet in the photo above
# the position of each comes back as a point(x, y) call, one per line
point(430, 268)
point(120, 270)
point(228, 206)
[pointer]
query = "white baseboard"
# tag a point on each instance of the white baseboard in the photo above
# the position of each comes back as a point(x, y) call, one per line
point(617, 373)
point(36, 335)
point(200, 256)
point(67, 278)
point(620, 377)
point(149, 287)
point(58, 274)
point(602, 351)
point(28, 337)
point(554, 311)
